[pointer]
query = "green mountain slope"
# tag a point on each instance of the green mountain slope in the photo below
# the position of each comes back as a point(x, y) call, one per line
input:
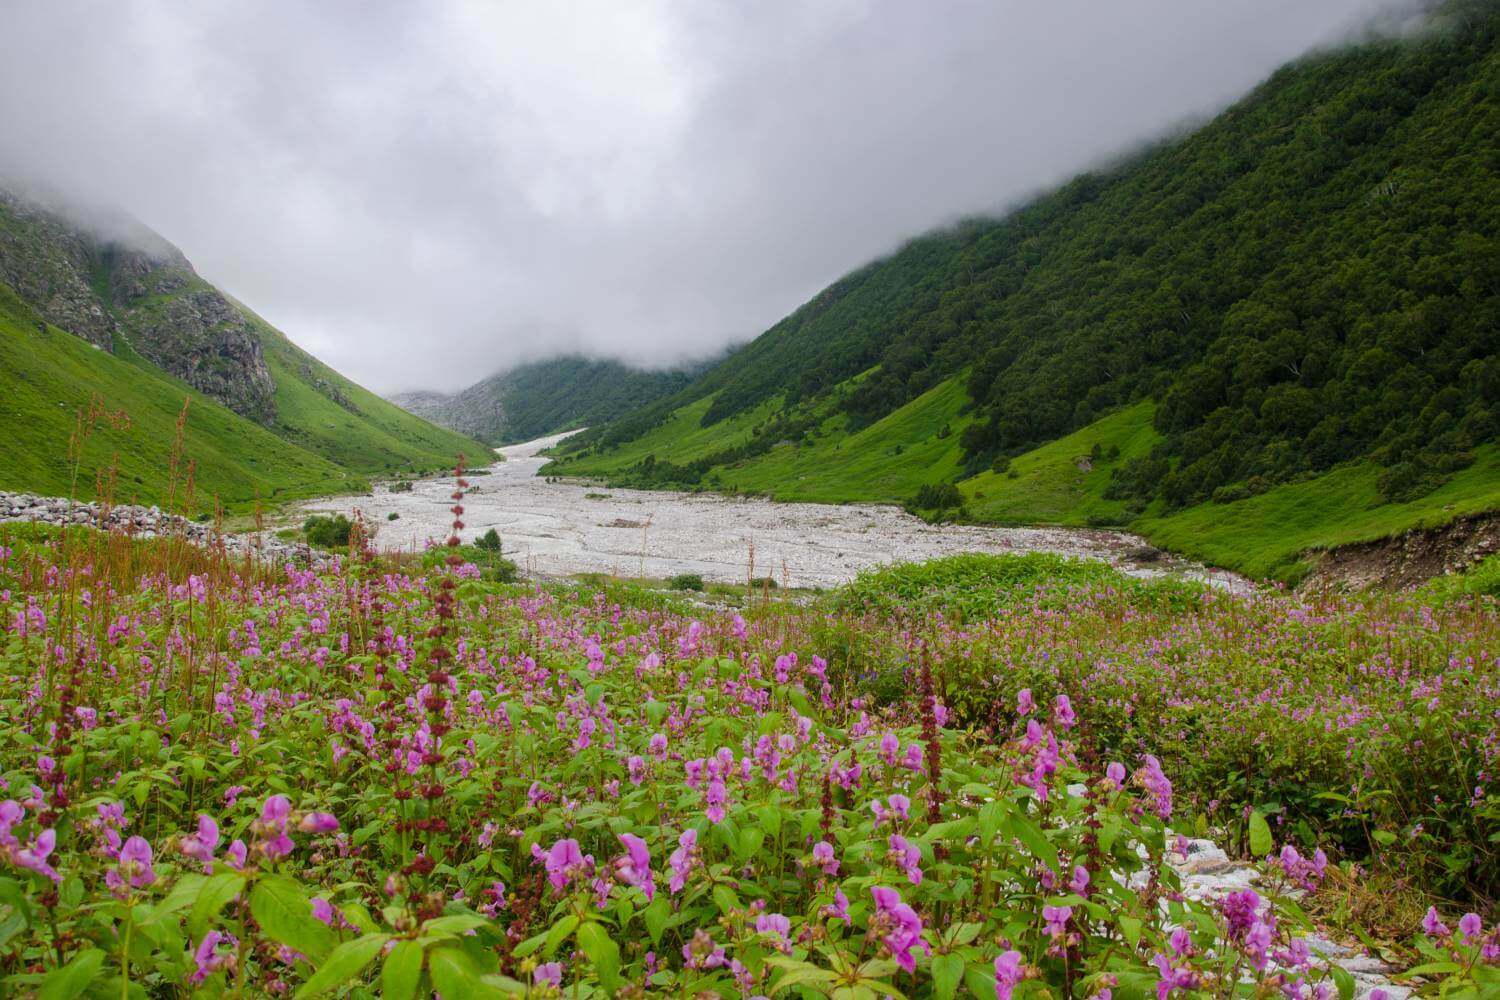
point(51, 377)
point(1307, 285)
point(266, 419)
point(544, 397)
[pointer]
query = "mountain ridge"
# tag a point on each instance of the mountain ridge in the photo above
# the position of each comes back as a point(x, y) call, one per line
point(163, 338)
point(1302, 284)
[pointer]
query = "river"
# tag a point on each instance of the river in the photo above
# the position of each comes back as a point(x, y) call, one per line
point(566, 527)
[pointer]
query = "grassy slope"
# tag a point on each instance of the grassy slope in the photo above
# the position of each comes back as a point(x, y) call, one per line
point(887, 461)
point(381, 438)
point(1263, 535)
point(1048, 485)
point(52, 375)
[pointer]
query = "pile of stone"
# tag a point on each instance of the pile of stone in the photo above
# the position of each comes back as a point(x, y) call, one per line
point(152, 522)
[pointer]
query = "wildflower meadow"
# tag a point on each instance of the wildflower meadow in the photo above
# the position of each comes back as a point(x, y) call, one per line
point(385, 777)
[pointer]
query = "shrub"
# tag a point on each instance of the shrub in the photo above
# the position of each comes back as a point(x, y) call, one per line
point(393, 516)
point(489, 541)
point(686, 581)
point(327, 532)
point(937, 497)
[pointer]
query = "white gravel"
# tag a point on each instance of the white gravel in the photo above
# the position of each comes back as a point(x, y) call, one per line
point(568, 527)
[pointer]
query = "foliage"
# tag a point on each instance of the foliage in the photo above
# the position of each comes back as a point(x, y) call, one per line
point(1302, 285)
point(251, 781)
point(489, 541)
point(686, 581)
point(327, 532)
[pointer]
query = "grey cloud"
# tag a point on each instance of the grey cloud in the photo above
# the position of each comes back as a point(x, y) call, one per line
point(423, 193)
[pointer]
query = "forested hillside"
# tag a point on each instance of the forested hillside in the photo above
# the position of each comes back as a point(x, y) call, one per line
point(112, 319)
point(544, 397)
point(1312, 279)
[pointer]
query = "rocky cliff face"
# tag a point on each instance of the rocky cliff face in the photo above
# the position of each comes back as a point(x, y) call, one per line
point(118, 279)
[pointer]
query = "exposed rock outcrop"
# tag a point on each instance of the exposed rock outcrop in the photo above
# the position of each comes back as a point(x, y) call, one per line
point(1410, 558)
point(110, 276)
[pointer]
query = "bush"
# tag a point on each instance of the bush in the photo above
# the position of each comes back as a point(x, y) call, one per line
point(686, 581)
point(393, 516)
point(937, 497)
point(763, 583)
point(1000, 465)
point(327, 532)
point(489, 541)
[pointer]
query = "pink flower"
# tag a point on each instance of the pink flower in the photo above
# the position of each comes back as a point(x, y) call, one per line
point(906, 857)
point(899, 925)
point(839, 908)
point(34, 858)
point(1115, 773)
point(1056, 919)
point(1157, 784)
point(548, 974)
point(1470, 926)
point(565, 862)
point(322, 910)
point(200, 846)
point(824, 857)
point(634, 868)
point(1062, 712)
point(1008, 974)
point(1432, 925)
point(207, 957)
point(1080, 882)
point(774, 924)
point(1025, 705)
point(318, 822)
point(683, 860)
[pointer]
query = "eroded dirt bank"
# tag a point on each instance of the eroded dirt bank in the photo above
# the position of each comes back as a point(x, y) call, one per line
point(1408, 559)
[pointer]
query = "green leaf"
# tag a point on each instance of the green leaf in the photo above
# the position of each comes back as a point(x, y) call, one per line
point(1260, 835)
point(560, 930)
point(751, 839)
point(947, 970)
point(1031, 835)
point(656, 916)
point(1344, 981)
point(601, 949)
point(454, 974)
point(68, 981)
point(1130, 928)
point(285, 913)
point(454, 924)
point(214, 894)
point(1432, 969)
point(344, 965)
point(402, 972)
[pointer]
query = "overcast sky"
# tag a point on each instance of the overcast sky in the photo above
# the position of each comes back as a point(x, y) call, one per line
point(424, 192)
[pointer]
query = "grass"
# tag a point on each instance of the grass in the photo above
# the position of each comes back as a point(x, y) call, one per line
point(52, 376)
point(1265, 535)
point(1056, 484)
point(316, 448)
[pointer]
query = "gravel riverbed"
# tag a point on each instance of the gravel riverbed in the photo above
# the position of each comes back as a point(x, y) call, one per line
point(565, 527)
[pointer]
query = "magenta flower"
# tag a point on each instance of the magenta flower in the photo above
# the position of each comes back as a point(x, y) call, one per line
point(905, 856)
point(565, 862)
point(548, 974)
point(1080, 882)
point(318, 822)
point(839, 908)
point(201, 845)
point(774, 924)
point(208, 958)
point(270, 829)
point(1062, 712)
point(824, 856)
point(683, 860)
point(34, 858)
point(1025, 705)
point(1470, 926)
point(899, 926)
point(1115, 773)
point(1157, 784)
point(1433, 925)
point(1056, 919)
point(634, 867)
point(1008, 973)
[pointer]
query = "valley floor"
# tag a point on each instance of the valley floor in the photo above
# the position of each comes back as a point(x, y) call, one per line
point(557, 527)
